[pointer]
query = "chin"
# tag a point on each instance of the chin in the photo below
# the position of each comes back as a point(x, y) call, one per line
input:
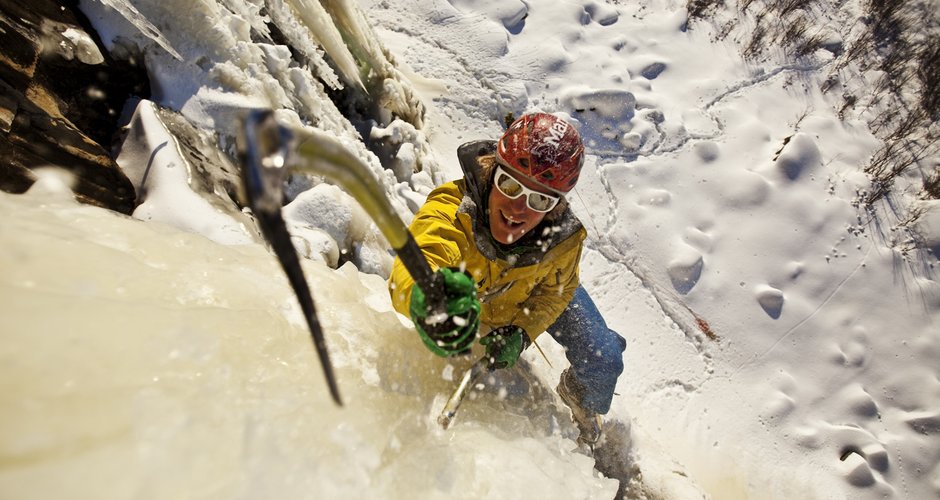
point(501, 236)
point(508, 238)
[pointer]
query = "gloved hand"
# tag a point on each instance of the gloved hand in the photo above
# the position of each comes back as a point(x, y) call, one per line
point(452, 332)
point(504, 345)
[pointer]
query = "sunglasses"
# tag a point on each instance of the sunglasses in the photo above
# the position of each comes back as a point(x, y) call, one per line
point(512, 189)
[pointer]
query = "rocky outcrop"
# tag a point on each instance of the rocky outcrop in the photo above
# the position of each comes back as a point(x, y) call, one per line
point(61, 95)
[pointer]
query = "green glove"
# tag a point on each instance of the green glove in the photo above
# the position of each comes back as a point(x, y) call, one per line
point(450, 332)
point(504, 345)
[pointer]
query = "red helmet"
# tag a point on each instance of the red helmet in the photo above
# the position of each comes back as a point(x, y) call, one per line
point(543, 148)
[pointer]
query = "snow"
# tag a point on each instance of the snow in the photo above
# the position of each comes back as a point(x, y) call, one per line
point(152, 161)
point(781, 344)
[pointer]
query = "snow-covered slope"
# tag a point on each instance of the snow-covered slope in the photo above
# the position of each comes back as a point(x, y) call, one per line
point(732, 189)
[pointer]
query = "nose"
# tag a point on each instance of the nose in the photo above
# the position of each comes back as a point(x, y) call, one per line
point(519, 204)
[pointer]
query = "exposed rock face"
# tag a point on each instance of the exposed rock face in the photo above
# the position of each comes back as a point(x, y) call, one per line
point(60, 98)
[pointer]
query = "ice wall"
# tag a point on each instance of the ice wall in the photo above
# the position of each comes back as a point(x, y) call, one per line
point(141, 361)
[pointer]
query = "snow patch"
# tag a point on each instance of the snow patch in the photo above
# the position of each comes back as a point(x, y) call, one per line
point(150, 157)
point(685, 268)
point(799, 155)
point(770, 300)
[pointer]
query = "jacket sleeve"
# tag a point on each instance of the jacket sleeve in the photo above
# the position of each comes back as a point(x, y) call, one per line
point(551, 295)
point(440, 240)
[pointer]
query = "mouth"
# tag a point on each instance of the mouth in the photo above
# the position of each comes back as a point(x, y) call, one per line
point(510, 221)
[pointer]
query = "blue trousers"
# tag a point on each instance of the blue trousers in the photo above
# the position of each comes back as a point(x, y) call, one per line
point(594, 351)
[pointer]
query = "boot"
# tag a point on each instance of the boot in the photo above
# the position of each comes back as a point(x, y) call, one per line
point(588, 422)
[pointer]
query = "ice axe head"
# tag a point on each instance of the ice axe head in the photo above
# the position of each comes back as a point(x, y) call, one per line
point(264, 148)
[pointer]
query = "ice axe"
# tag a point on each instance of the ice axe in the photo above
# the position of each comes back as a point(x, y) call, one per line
point(269, 152)
point(468, 380)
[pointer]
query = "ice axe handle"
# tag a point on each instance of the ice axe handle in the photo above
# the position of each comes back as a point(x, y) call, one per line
point(470, 377)
point(430, 282)
point(321, 154)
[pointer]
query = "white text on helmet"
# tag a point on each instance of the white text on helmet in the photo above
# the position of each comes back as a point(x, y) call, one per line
point(557, 132)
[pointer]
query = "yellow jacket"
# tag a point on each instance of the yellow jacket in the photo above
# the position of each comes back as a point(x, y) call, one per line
point(527, 285)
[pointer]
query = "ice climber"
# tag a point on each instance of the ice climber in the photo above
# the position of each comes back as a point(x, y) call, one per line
point(508, 225)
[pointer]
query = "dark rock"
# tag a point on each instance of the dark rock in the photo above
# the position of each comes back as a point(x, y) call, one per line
point(62, 94)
